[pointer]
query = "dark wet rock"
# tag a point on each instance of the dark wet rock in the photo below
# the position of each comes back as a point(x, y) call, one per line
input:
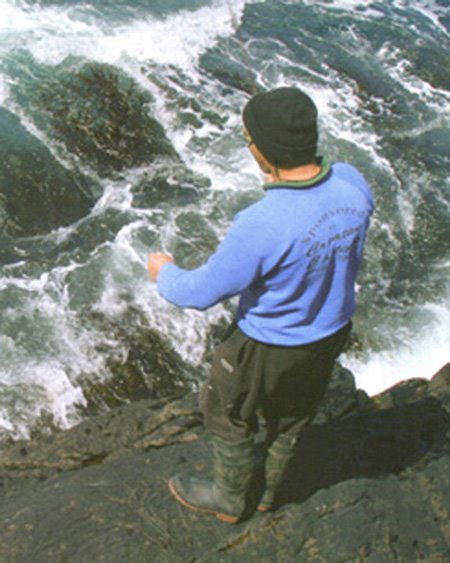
point(307, 32)
point(217, 62)
point(168, 183)
point(389, 519)
point(413, 390)
point(152, 192)
point(37, 194)
point(341, 397)
point(429, 148)
point(140, 364)
point(182, 97)
point(82, 242)
point(405, 392)
point(77, 244)
point(363, 486)
point(196, 239)
point(139, 426)
point(98, 112)
point(439, 386)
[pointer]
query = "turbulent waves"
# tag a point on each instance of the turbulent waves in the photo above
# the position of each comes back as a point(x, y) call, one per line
point(121, 134)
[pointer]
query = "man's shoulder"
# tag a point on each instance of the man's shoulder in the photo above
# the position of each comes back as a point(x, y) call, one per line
point(254, 211)
point(344, 172)
point(347, 171)
point(255, 221)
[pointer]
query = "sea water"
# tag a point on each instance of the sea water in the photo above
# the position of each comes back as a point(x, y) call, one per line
point(380, 74)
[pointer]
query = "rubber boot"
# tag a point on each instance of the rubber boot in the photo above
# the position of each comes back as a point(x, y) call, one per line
point(279, 455)
point(225, 495)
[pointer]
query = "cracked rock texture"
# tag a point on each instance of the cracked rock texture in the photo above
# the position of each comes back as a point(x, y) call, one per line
point(370, 482)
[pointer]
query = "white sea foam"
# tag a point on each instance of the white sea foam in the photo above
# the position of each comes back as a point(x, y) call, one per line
point(177, 40)
point(4, 90)
point(428, 8)
point(421, 355)
point(56, 32)
point(5, 422)
point(38, 389)
point(187, 328)
point(398, 68)
point(348, 5)
point(22, 26)
point(13, 18)
point(41, 364)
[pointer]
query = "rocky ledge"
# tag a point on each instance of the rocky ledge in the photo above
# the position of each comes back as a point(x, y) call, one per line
point(370, 482)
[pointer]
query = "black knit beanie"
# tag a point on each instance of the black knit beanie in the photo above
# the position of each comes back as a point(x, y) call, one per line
point(283, 125)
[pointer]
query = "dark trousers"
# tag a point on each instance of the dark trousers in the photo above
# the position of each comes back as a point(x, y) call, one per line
point(284, 384)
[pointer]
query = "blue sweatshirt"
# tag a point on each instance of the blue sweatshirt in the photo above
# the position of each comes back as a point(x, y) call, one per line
point(292, 257)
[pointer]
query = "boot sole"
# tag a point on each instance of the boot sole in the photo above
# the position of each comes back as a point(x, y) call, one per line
point(221, 516)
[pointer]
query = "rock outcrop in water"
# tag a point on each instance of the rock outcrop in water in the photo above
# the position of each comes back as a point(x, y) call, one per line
point(139, 362)
point(37, 194)
point(370, 482)
point(96, 111)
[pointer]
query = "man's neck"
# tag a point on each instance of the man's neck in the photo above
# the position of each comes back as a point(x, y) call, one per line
point(299, 174)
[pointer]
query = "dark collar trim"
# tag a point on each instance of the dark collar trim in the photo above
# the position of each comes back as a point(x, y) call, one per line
point(324, 172)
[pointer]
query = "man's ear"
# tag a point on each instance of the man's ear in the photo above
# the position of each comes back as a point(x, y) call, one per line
point(263, 163)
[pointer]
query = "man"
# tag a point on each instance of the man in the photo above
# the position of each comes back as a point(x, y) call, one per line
point(292, 257)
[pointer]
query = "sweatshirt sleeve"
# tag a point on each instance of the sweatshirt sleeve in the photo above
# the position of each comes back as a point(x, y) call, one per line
point(228, 271)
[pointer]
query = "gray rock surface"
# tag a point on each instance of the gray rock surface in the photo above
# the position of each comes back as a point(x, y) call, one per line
point(369, 484)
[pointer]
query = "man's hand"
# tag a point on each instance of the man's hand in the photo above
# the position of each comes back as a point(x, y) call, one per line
point(156, 260)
